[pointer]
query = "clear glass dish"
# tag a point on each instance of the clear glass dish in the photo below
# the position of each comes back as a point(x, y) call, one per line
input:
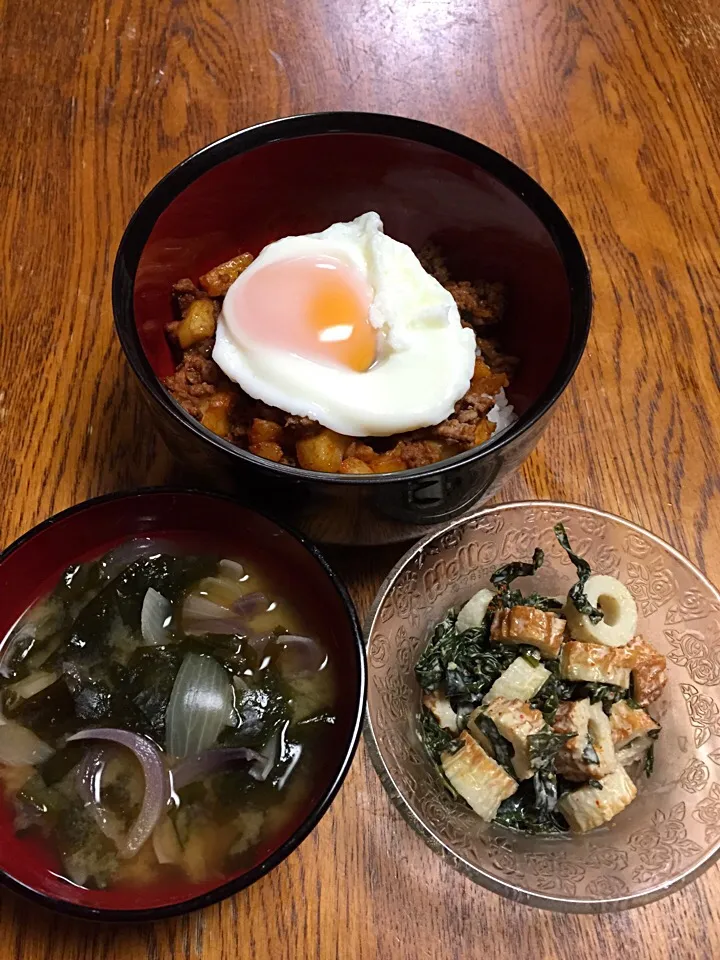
point(671, 832)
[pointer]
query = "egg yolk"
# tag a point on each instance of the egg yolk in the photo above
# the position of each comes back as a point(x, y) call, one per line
point(314, 306)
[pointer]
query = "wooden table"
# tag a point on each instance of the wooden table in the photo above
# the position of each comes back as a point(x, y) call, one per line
point(613, 105)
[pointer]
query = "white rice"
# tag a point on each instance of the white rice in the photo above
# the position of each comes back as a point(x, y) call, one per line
point(502, 414)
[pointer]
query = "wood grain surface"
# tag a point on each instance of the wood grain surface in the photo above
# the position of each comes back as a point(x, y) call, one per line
point(614, 106)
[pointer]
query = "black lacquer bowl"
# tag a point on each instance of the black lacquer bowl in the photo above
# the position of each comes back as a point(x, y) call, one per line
point(300, 174)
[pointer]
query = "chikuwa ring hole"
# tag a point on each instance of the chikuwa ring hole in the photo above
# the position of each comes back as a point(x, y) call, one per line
point(610, 609)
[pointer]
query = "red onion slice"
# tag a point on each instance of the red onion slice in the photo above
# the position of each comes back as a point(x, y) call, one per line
point(193, 768)
point(251, 604)
point(300, 656)
point(89, 780)
point(200, 616)
point(157, 783)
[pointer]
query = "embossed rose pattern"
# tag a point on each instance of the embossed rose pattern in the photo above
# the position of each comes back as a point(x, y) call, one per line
point(675, 821)
point(707, 812)
point(695, 776)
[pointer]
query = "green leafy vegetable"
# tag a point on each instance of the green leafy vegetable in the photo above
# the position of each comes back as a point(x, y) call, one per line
point(576, 593)
point(504, 576)
point(436, 739)
point(553, 692)
point(605, 693)
point(544, 746)
point(501, 747)
point(589, 753)
point(466, 664)
point(595, 784)
point(532, 808)
point(546, 791)
point(649, 760)
point(548, 604)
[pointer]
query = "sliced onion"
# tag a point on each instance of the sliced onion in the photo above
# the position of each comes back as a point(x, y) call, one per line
point(200, 703)
point(19, 746)
point(157, 783)
point(231, 569)
point(166, 843)
point(268, 755)
point(306, 656)
point(121, 556)
point(31, 685)
point(193, 768)
point(200, 616)
point(89, 781)
point(154, 618)
point(251, 604)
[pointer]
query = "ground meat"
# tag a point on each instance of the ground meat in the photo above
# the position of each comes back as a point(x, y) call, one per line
point(419, 453)
point(433, 262)
point(300, 427)
point(493, 355)
point(185, 292)
point(457, 432)
point(207, 394)
point(481, 304)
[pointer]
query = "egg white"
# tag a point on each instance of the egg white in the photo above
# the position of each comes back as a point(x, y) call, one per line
point(426, 358)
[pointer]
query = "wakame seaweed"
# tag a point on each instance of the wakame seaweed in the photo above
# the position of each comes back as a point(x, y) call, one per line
point(576, 593)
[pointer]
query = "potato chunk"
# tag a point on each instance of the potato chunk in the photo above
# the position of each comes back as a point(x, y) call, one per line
point(587, 808)
point(198, 323)
point(267, 450)
point(593, 737)
point(649, 672)
point(324, 451)
point(218, 281)
point(216, 415)
point(354, 465)
point(596, 663)
point(387, 463)
point(265, 431)
point(477, 777)
point(529, 625)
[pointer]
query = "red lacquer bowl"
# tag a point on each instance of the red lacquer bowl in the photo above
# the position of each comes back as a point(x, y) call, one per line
point(30, 567)
point(300, 174)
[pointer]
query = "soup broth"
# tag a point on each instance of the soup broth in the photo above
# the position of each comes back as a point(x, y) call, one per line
point(162, 717)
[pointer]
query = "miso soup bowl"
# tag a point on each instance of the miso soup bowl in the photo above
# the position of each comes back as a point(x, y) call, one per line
point(670, 833)
point(300, 174)
point(31, 566)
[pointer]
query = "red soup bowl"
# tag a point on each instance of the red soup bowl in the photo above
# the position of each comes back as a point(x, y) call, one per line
point(297, 175)
point(31, 567)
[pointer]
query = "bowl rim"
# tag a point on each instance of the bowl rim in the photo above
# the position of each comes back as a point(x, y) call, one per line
point(229, 888)
point(502, 169)
point(510, 891)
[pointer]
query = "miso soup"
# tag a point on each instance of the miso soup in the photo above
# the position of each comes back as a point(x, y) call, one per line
point(164, 716)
